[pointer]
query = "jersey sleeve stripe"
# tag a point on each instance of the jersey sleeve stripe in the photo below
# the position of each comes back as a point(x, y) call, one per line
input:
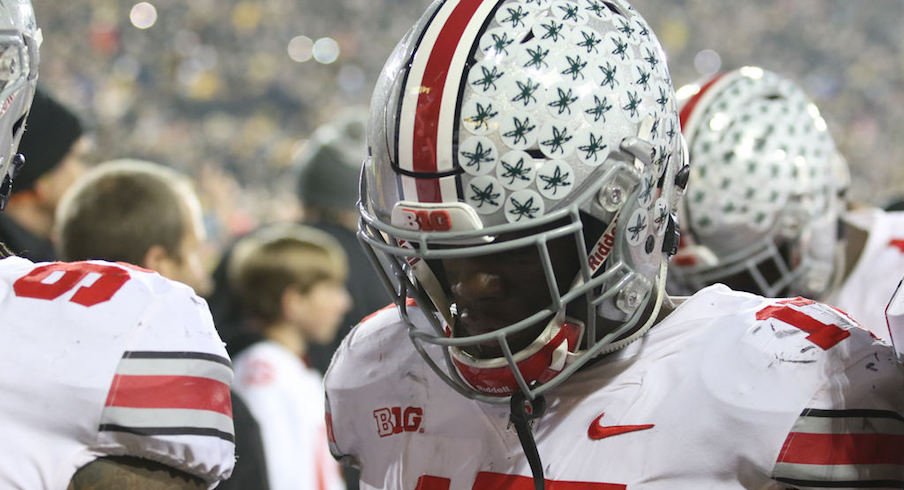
point(801, 484)
point(187, 392)
point(875, 414)
point(842, 449)
point(169, 431)
point(852, 424)
point(175, 367)
point(858, 437)
point(165, 417)
point(177, 355)
point(852, 475)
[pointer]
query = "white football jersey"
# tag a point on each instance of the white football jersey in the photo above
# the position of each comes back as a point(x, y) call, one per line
point(101, 359)
point(894, 316)
point(730, 391)
point(286, 398)
point(867, 289)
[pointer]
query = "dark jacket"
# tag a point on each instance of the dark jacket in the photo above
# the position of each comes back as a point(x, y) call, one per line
point(250, 466)
point(23, 243)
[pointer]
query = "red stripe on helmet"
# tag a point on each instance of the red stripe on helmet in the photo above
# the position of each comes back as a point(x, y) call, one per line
point(691, 104)
point(426, 123)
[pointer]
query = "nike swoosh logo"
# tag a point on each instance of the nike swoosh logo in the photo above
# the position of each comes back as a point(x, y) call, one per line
point(599, 431)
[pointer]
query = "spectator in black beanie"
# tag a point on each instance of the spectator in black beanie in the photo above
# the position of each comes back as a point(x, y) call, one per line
point(327, 171)
point(53, 145)
point(328, 174)
point(895, 204)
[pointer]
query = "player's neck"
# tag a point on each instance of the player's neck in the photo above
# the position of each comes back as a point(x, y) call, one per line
point(287, 336)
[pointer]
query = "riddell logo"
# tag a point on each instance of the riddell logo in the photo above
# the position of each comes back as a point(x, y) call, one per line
point(6, 104)
point(394, 420)
point(602, 250)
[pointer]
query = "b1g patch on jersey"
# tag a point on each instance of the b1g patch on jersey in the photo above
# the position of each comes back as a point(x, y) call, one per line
point(170, 394)
point(396, 420)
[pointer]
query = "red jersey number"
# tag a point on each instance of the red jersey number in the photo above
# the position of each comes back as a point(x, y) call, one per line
point(824, 335)
point(33, 285)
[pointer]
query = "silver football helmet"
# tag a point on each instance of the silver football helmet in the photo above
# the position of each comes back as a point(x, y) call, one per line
point(504, 125)
point(766, 187)
point(20, 40)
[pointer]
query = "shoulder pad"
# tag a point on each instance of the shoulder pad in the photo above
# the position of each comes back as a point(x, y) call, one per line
point(801, 330)
point(169, 400)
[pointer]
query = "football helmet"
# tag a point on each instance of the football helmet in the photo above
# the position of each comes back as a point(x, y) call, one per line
point(503, 125)
point(20, 40)
point(766, 187)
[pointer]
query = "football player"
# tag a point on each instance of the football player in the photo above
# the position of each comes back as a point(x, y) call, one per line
point(766, 189)
point(767, 198)
point(519, 198)
point(112, 377)
point(874, 249)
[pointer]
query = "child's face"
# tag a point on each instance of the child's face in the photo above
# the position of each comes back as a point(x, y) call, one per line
point(324, 305)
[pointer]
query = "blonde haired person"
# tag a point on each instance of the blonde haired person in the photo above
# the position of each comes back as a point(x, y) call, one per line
point(138, 212)
point(291, 280)
point(526, 244)
point(146, 214)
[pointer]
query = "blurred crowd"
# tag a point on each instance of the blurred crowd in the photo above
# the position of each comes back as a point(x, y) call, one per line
point(210, 87)
point(846, 55)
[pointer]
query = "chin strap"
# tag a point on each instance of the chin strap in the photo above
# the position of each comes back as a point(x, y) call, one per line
point(523, 412)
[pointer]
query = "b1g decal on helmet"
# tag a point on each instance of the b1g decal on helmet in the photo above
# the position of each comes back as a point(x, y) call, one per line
point(438, 217)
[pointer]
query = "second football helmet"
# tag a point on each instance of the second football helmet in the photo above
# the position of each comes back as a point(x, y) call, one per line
point(20, 40)
point(503, 125)
point(764, 199)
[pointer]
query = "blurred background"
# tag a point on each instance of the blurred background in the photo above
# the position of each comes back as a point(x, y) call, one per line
point(229, 91)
